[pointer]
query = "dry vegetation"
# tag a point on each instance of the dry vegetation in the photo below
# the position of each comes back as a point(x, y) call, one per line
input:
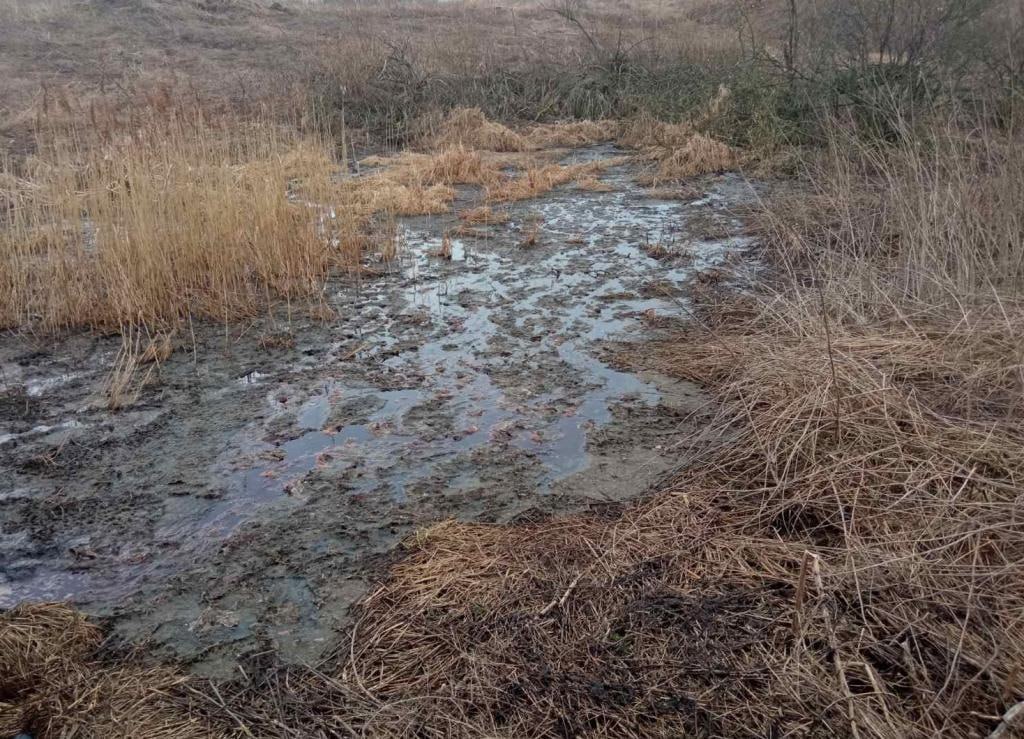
point(847, 563)
point(847, 559)
point(109, 228)
point(176, 218)
point(388, 64)
point(699, 155)
point(50, 681)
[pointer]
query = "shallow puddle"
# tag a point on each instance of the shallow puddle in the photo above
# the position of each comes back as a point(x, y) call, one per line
point(491, 311)
point(456, 386)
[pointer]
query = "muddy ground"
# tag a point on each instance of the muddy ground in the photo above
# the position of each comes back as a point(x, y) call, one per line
point(267, 472)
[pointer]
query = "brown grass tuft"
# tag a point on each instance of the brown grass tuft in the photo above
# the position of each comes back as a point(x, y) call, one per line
point(592, 184)
point(698, 156)
point(646, 132)
point(52, 685)
point(453, 165)
point(380, 194)
point(484, 215)
point(531, 235)
point(538, 180)
point(469, 127)
point(412, 183)
point(158, 350)
point(571, 134)
point(35, 637)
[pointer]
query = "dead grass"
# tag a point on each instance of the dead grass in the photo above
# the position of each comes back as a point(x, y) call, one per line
point(531, 235)
point(114, 230)
point(414, 183)
point(116, 233)
point(126, 380)
point(646, 132)
point(699, 155)
point(846, 560)
point(380, 194)
point(453, 165)
point(678, 151)
point(35, 637)
point(484, 215)
point(926, 227)
point(572, 134)
point(51, 684)
point(591, 183)
point(854, 582)
point(382, 66)
point(469, 127)
point(536, 181)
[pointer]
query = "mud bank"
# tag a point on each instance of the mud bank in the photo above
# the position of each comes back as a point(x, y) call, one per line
point(253, 492)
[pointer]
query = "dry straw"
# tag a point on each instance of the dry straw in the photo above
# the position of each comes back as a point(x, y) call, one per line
point(52, 685)
point(180, 217)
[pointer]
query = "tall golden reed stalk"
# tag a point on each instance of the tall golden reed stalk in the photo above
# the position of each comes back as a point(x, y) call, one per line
point(180, 217)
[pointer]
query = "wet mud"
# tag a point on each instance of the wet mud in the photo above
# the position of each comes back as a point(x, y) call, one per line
point(267, 472)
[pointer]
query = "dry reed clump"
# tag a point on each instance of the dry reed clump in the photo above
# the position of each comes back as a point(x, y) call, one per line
point(572, 134)
point(181, 217)
point(140, 350)
point(932, 224)
point(531, 235)
point(679, 150)
point(379, 194)
point(647, 132)
point(458, 165)
point(52, 686)
point(644, 131)
point(536, 181)
point(698, 156)
point(454, 165)
point(412, 183)
point(484, 215)
point(473, 150)
point(469, 127)
point(591, 183)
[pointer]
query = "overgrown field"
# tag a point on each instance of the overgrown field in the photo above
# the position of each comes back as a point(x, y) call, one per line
point(846, 558)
